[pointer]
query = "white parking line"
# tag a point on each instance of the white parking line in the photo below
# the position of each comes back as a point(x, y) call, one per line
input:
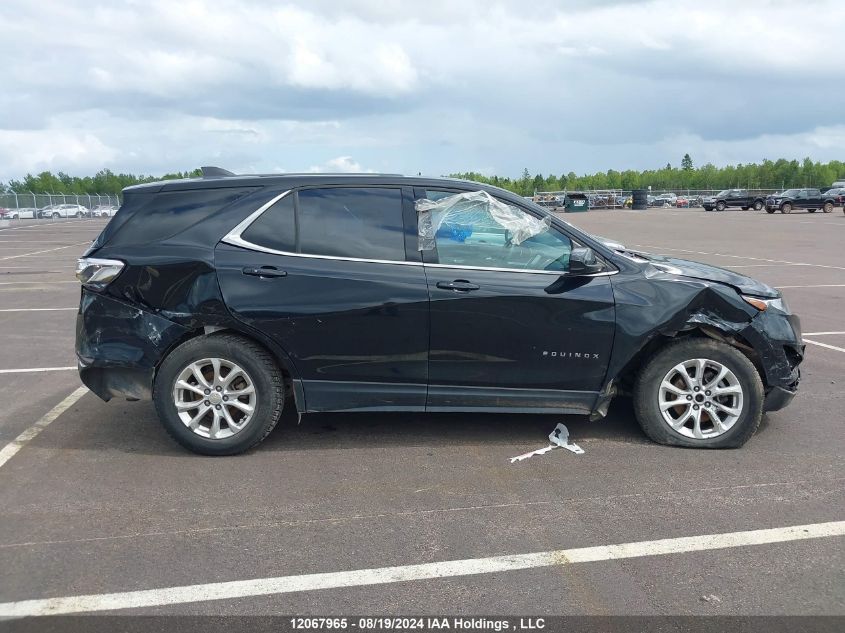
point(35, 309)
point(49, 250)
point(756, 259)
point(825, 345)
point(405, 573)
point(36, 283)
point(820, 333)
point(814, 286)
point(12, 448)
point(31, 370)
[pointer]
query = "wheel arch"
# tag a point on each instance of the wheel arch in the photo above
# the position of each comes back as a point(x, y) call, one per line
point(293, 382)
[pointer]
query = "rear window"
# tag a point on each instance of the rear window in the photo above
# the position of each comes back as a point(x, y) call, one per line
point(275, 228)
point(364, 223)
point(147, 218)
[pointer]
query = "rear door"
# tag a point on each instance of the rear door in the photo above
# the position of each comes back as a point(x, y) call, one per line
point(326, 274)
point(509, 328)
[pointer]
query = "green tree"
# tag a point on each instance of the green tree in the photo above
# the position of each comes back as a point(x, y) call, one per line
point(686, 163)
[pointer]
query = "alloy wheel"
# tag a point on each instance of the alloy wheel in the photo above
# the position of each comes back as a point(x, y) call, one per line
point(215, 398)
point(700, 398)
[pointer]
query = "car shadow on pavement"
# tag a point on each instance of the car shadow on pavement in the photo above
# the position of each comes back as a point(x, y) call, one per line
point(133, 427)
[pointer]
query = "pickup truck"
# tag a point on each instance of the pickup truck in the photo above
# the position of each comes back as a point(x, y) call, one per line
point(733, 198)
point(810, 199)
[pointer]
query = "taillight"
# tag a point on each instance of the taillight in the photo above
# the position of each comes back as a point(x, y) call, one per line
point(96, 274)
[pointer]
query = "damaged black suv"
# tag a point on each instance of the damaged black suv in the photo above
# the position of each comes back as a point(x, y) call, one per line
point(223, 297)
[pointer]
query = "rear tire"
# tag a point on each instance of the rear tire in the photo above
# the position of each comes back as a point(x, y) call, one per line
point(828, 207)
point(193, 427)
point(734, 430)
point(758, 205)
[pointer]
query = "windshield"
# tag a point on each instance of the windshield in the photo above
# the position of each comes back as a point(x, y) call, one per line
point(789, 192)
point(724, 193)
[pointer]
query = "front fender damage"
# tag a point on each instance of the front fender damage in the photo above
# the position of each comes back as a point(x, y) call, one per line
point(654, 309)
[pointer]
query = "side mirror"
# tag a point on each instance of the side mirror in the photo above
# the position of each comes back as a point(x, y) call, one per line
point(583, 261)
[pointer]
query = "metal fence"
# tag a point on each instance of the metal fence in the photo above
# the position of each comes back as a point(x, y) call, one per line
point(621, 198)
point(29, 200)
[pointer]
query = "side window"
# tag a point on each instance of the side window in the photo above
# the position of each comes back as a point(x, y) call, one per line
point(469, 235)
point(364, 223)
point(275, 228)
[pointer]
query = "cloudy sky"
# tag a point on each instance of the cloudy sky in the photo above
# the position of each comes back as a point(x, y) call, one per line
point(411, 86)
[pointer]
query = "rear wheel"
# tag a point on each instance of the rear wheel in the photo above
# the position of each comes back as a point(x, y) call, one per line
point(828, 207)
point(758, 205)
point(219, 395)
point(699, 393)
point(786, 208)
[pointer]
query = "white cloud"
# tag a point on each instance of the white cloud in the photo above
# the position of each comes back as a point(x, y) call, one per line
point(341, 164)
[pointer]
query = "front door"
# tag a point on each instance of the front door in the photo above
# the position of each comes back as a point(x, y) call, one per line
point(325, 273)
point(509, 328)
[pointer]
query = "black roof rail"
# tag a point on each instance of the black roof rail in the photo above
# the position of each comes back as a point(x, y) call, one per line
point(215, 172)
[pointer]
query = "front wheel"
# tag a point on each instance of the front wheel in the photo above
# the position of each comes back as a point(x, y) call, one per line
point(828, 207)
point(219, 395)
point(758, 205)
point(699, 393)
point(56, 215)
point(786, 208)
point(720, 206)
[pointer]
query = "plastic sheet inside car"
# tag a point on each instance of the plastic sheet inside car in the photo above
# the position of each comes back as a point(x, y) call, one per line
point(464, 213)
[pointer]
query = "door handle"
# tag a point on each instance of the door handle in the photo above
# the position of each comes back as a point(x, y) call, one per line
point(265, 272)
point(459, 285)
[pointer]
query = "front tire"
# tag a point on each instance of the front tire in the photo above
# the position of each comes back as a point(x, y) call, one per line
point(828, 207)
point(720, 206)
point(219, 395)
point(786, 208)
point(718, 392)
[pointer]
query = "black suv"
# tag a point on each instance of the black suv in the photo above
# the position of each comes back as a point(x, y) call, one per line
point(221, 296)
point(810, 199)
point(733, 198)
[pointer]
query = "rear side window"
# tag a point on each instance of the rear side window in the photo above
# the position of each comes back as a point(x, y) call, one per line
point(364, 223)
point(275, 228)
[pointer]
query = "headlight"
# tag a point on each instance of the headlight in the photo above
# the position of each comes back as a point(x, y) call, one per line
point(96, 274)
point(765, 304)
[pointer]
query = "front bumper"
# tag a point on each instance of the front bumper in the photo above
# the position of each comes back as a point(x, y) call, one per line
point(119, 346)
point(776, 336)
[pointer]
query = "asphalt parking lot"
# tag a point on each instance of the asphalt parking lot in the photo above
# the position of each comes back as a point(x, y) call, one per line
point(101, 501)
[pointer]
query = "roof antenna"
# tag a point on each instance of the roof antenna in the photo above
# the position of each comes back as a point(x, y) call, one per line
point(215, 172)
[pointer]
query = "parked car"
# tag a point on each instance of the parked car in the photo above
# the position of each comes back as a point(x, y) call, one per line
point(103, 211)
point(734, 198)
point(217, 297)
point(56, 211)
point(665, 200)
point(837, 194)
point(24, 213)
point(807, 198)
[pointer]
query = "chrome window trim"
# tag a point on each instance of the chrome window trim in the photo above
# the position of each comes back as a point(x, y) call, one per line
point(234, 238)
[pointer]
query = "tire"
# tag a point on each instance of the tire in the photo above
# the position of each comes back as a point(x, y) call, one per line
point(720, 206)
point(828, 207)
point(259, 369)
point(758, 205)
point(768, 210)
point(56, 215)
point(742, 373)
point(786, 208)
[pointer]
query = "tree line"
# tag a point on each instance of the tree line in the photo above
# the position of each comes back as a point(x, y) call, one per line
point(778, 174)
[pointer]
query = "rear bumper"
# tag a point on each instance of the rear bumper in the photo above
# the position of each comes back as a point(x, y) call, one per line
point(119, 346)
